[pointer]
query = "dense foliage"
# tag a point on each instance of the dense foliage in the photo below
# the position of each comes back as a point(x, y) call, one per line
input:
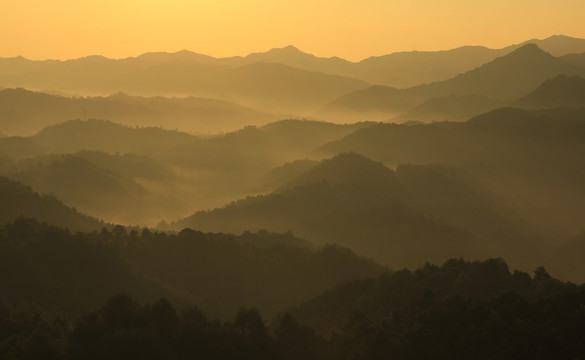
point(72, 273)
point(475, 310)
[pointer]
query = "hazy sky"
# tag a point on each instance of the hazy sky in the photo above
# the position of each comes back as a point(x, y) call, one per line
point(351, 29)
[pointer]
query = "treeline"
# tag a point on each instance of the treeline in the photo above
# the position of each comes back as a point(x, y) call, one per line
point(543, 320)
point(461, 309)
point(71, 273)
point(125, 329)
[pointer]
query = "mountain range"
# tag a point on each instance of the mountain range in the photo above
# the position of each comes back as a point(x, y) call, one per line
point(286, 80)
point(133, 175)
point(271, 87)
point(396, 217)
point(506, 78)
point(529, 157)
point(26, 112)
point(400, 69)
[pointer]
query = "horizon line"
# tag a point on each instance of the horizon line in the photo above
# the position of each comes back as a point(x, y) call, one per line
point(281, 48)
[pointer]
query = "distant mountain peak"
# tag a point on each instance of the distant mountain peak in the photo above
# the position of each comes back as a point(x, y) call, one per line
point(560, 36)
point(95, 58)
point(291, 48)
point(528, 50)
point(185, 52)
point(523, 55)
point(181, 55)
point(287, 50)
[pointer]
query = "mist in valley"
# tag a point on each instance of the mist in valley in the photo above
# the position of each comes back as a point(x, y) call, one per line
point(282, 205)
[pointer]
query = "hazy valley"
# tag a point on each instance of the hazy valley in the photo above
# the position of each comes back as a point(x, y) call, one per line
point(316, 207)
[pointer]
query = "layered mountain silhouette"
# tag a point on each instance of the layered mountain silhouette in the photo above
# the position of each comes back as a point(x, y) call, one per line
point(293, 57)
point(500, 175)
point(284, 80)
point(254, 206)
point(515, 152)
point(507, 77)
point(26, 112)
point(557, 45)
point(289, 139)
point(270, 87)
point(81, 183)
point(391, 216)
point(137, 174)
point(407, 69)
point(398, 69)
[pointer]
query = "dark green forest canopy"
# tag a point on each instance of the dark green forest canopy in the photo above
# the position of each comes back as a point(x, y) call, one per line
point(459, 310)
point(71, 273)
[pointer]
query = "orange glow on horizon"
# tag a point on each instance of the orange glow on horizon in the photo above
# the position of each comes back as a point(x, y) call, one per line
point(65, 29)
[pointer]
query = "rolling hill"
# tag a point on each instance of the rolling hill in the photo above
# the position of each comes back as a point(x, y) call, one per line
point(148, 173)
point(27, 112)
point(398, 217)
point(532, 159)
point(246, 148)
point(400, 69)
point(268, 87)
point(281, 80)
point(80, 183)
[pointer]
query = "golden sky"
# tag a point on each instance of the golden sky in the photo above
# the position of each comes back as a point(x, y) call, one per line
point(63, 29)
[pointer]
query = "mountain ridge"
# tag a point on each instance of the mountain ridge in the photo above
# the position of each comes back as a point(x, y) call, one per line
point(507, 77)
point(400, 69)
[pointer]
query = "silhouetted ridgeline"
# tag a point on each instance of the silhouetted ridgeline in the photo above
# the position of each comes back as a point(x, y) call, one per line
point(140, 175)
point(433, 312)
point(267, 86)
point(507, 78)
point(401, 69)
point(400, 218)
point(26, 112)
point(245, 148)
point(526, 158)
point(110, 186)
